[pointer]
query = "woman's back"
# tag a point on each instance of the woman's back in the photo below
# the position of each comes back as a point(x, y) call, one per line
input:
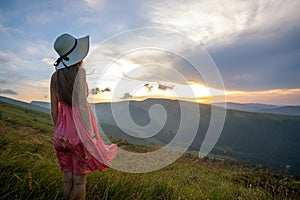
point(65, 128)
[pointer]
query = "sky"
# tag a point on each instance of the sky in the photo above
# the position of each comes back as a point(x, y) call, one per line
point(254, 45)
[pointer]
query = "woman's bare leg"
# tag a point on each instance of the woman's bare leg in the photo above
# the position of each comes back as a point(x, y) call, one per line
point(79, 187)
point(68, 184)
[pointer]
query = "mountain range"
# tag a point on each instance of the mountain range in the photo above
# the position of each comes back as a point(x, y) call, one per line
point(261, 138)
point(266, 139)
point(247, 107)
point(34, 105)
point(263, 108)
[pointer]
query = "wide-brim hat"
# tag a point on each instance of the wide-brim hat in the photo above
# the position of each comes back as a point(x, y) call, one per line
point(71, 50)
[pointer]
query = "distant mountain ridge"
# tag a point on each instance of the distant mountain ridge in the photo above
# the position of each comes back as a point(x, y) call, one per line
point(41, 104)
point(247, 107)
point(284, 110)
point(26, 105)
point(262, 138)
point(263, 108)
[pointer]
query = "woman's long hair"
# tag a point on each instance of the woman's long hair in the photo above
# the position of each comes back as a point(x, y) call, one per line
point(64, 83)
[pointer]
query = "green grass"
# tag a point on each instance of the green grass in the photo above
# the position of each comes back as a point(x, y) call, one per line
point(22, 116)
point(29, 170)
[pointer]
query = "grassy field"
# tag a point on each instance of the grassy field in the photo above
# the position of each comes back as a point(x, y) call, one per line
point(29, 170)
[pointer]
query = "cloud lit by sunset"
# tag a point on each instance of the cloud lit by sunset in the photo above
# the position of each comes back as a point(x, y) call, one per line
point(256, 52)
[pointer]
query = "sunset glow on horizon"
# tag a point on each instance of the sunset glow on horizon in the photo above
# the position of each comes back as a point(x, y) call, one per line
point(202, 95)
point(275, 97)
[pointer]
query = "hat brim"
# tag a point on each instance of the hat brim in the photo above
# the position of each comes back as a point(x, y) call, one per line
point(78, 54)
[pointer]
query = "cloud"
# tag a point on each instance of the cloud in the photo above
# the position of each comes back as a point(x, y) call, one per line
point(254, 43)
point(95, 4)
point(23, 64)
point(203, 21)
point(147, 55)
point(36, 48)
point(49, 61)
point(33, 89)
point(213, 21)
point(242, 38)
point(96, 90)
point(3, 28)
point(260, 61)
point(8, 91)
point(6, 59)
point(10, 77)
point(254, 48)
point(278, 96)
point(127, 95)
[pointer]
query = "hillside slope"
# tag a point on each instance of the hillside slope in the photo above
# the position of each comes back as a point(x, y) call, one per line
point(26, 105)
point(264, 139)
point(29, 170)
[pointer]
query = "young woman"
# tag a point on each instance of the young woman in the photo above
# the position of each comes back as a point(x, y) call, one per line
point(78, 145)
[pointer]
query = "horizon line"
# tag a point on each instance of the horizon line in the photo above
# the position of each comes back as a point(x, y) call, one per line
point(162, 98)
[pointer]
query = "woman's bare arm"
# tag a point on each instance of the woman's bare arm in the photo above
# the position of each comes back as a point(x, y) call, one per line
point(54, 103)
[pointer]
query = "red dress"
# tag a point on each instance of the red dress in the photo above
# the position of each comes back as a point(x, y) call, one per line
point(76, 149)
